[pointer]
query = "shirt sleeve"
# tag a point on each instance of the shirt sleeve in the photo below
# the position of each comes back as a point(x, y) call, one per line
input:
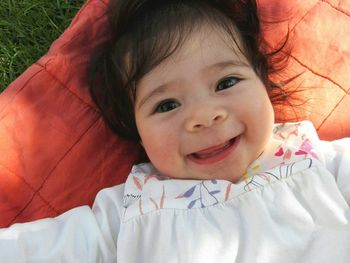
point(79, 235)
point(336, 155)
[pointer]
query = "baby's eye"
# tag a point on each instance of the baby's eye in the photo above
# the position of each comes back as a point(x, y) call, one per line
point(167, 105)
point(227, 83)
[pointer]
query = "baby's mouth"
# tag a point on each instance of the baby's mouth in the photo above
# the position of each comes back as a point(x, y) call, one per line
point(213, 151)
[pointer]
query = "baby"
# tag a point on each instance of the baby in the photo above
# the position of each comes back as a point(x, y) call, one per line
point(189, 80)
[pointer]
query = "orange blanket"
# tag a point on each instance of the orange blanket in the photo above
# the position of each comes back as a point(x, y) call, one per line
point(57, 153)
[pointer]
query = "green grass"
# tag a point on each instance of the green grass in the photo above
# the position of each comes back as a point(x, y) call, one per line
point(27, 29)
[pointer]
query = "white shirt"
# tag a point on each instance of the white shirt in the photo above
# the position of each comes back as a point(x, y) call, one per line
point(292, 205)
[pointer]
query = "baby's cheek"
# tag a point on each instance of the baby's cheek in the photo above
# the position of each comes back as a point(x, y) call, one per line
point(163, 155)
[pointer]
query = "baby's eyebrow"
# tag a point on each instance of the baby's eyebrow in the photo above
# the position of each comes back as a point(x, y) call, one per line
point(161, 89)
point(225, 64)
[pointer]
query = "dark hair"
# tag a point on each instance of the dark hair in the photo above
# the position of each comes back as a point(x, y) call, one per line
point(146, 32)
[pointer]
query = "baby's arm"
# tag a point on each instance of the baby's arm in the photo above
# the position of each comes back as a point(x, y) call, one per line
point(79, 235)
point(336, 155)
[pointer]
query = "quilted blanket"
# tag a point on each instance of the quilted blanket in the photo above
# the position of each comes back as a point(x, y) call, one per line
point(56, 151)
point(320, 40)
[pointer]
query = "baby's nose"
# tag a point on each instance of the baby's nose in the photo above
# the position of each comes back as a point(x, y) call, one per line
point(205, 117)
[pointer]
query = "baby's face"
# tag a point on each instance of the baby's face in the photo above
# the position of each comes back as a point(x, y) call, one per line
point(203, 113)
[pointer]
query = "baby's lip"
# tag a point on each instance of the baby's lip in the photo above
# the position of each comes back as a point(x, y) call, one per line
point(213, 150)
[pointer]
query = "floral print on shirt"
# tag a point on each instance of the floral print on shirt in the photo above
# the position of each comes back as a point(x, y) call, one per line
point(290, 151)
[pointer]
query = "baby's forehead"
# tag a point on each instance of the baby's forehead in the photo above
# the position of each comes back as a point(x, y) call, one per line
point(214, 45)
point(202, 57)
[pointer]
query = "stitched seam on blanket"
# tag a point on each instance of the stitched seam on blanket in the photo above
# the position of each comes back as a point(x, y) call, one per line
point(49, 174)
point(302, 18)
point(73, 145)
point(81, 32)
point(36, 192)
point(330, 80)
point(24, 85)
point(336, 8)
point(33, 191)
point(62, 85)
point(318, 74)
point(21, 178)
point(329, 115)
point(29, 202)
